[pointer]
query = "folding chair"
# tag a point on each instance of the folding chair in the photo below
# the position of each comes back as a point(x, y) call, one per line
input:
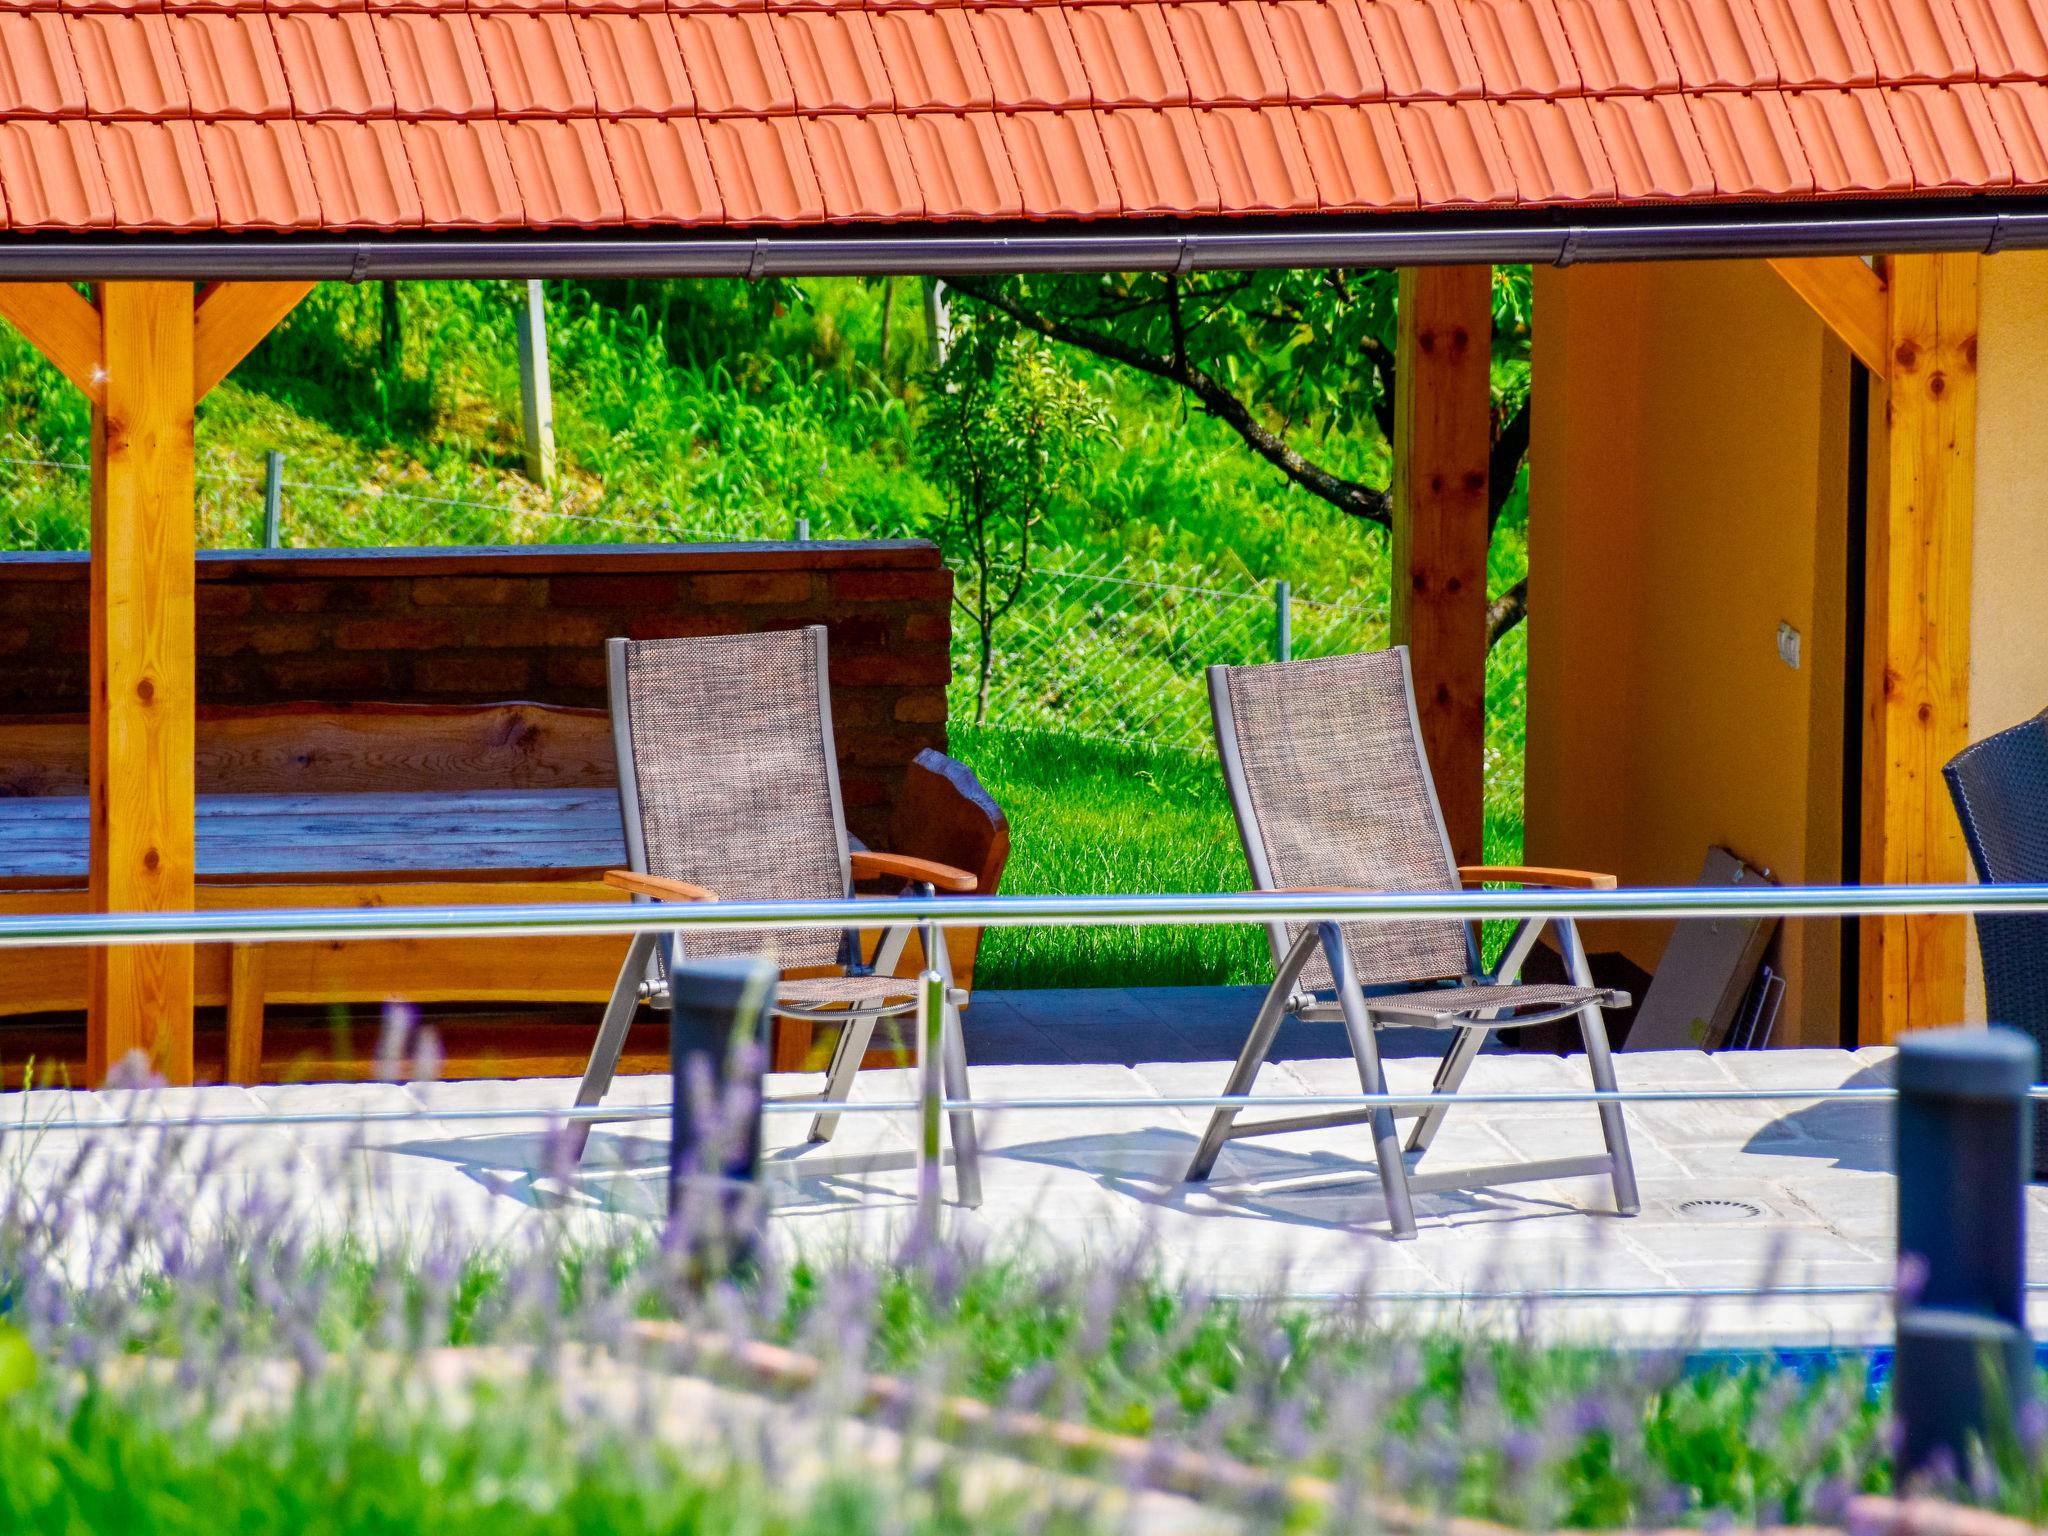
point(729, 788)
point(1325, 767)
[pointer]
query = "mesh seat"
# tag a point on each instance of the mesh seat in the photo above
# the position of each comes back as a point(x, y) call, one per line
point(2000, 788)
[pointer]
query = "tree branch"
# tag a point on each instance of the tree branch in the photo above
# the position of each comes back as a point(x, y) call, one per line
point(1351, 497)
point(1504, 461)
point(1506, 611)
point(1382, 359)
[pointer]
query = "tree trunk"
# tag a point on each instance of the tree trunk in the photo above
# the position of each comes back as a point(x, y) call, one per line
point(888, 313)
point(392, 342)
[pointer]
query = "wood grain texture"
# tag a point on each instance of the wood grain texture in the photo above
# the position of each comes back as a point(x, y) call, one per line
point(231, 319)
point(246, 966)
point(143, 688)
point(1443, 431)
point(1917, 639)
point(327, 749)
point(1848, 296)
point(61, 323)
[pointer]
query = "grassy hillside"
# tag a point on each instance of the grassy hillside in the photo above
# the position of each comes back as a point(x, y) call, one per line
point(726, 409)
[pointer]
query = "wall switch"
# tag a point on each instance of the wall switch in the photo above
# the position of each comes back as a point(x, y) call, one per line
point(1788, 646)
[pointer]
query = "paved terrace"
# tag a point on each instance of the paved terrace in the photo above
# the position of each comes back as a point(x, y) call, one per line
point(1803, 1193)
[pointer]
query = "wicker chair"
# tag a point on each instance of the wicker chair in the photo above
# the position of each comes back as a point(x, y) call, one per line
point(2000, 787)
point(1325, 767)
point(729, 787)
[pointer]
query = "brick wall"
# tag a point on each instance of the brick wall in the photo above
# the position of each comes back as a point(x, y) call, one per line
point(489, 625)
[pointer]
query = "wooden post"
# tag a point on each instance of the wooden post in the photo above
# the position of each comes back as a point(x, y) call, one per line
point(143, 692)
point(1443, 432)
point(1917, 638)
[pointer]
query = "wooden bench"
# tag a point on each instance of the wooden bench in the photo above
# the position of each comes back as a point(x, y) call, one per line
point(393, 805)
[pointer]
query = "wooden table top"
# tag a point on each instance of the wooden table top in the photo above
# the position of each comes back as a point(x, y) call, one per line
point(337, 838)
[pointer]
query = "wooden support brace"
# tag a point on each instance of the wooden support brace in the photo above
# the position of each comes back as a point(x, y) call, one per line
point(1849, 296)
point(61, 323)
point(232, 318)
point(246, 969)
point(1443, 434)
point(1917, 638)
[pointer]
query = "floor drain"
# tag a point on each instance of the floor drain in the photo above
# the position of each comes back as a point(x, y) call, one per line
point(1720, 1210)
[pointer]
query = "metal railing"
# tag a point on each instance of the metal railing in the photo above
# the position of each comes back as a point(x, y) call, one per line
point(931, 1104)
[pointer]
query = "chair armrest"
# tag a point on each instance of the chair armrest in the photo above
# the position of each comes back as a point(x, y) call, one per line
point(656, 886)
point(1532, 874)
point(869, 864)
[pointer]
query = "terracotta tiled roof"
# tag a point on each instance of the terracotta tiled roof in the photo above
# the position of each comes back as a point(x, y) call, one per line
point(437, 114)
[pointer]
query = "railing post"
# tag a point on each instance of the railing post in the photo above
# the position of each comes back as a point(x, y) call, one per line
point(1963, 1141)
point(931, 1044)
point(803, 530)
point(716, 1060)
point(1283, 622)
point(273, 499)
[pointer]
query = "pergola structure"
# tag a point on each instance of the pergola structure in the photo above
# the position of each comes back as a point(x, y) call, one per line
point(199, 166)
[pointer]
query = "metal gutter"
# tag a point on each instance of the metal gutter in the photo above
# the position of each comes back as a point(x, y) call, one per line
point(1302, 241)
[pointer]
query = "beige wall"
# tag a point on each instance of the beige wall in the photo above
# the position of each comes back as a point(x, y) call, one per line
point(2009, 567)
point(1688, 495)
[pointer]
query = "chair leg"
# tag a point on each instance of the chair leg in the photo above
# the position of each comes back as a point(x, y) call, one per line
point(847, 1055)
point(1593, 1031)
point(966, 1143)
point(1365, 1050)
point(1450, 1074)
point(1272, 1012)
point(611, 1036)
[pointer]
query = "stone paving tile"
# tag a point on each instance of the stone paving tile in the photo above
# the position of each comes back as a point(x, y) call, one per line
point(350, 1098)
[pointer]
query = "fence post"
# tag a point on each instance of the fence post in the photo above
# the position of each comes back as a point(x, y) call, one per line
point(931, 1044)
point(273, 499)
point(803, 530)
point(1283, 622)
point(1964, 1363)
point(536, 394)
point(716, 1061)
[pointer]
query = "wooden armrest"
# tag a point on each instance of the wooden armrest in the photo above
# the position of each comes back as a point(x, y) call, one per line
point(869, 864)
point(1534, 874)
point(656, 886)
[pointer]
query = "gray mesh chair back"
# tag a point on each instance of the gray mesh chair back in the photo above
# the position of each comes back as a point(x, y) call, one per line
point(2000, 787)
point(1325, 767)
point(727, 777)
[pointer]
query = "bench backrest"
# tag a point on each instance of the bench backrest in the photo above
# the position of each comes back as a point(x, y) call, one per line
point(344, 748)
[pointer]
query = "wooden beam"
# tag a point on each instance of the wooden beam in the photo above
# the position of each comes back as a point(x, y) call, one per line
point(245, 1013)
point(59, 322)
point(1848, 295)
point(1917, 638)
point(1443, 430)
point(232, 318)
point(143, 689)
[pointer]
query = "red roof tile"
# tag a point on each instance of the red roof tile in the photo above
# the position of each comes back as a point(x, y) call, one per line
point(534, 64)
point(663, 170)
point(374, 114)
point(1257, 158)
point(834, 62)
point(863, 167)
point(230, 64)
point(1356, 158)
point(1062, 168)
point(51, 177)
point(962, 166)
point(259, 175)
point(361, 175)
point(435, 63)
point(634, 63)
point(1030, 56)
point(38, 77)
point(463, 173)
point(1127, 55)
point(934, 64)
point(156, 175)
point(332, 64)
point(734, 62)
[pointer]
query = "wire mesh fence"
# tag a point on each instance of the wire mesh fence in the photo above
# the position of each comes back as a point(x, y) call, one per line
point(1110, 647)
